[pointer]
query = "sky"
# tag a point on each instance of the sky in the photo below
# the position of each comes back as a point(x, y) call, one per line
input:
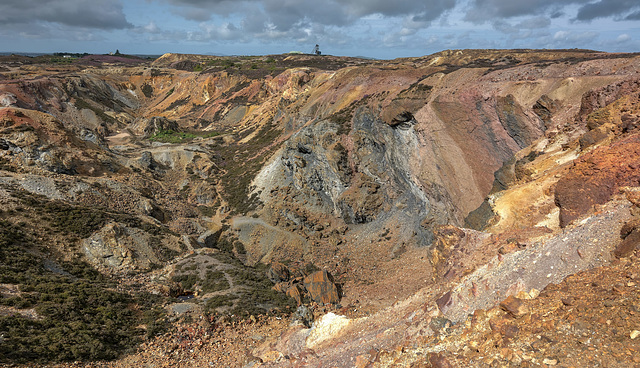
point(383, 29)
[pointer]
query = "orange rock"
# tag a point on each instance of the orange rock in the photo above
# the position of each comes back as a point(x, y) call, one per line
point(321, 288)
point(514, 306)
point(362, 361)
point(294, 292)
point(596, 176)
point(438, 360)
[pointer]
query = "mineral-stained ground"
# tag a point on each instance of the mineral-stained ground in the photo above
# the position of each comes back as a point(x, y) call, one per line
point(471, 208)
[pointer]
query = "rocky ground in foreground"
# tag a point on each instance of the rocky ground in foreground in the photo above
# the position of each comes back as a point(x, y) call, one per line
point(590, 319)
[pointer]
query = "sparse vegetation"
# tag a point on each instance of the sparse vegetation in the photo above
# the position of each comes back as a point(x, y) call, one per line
point(187, 281)
point(241, 163)
point(81, 104)
point(219, 301)
point(342, 119)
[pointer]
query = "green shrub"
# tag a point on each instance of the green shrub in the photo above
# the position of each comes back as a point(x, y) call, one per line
point(187, 281)
point(82, 317)
point(214, 281)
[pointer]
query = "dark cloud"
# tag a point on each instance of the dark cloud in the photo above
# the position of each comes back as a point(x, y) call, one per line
point(607, 8)
point(481, 11)
point(98, 14)
point(489, 10)
point(288, 14)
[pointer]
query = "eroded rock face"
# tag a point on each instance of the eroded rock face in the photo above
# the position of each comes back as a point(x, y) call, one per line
point(398, 115)
point(596, 176)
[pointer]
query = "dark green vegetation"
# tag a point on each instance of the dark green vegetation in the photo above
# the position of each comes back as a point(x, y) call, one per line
point(59, 308)
point(257, 294)
point(79, 221)
point(78, 315)
point(147, 90)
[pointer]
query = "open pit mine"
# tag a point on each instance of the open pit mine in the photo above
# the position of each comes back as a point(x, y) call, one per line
point(471, 208)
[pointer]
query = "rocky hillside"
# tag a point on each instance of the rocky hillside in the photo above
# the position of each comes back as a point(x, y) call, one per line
point(413, 195)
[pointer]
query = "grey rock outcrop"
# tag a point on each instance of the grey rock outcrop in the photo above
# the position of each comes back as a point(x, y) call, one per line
point(120, 248)
point(8, 99)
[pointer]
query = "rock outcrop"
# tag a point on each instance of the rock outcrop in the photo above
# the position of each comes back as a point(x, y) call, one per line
point(119, 248)
point(321, 288)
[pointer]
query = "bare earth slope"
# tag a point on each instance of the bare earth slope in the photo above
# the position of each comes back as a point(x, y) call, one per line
point(187, 177)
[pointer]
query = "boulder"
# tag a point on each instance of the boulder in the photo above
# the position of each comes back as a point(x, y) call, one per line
point(630, 234)
point(304, 316)
point(146, 161)
point(321, 288)
point(278, 272)
point(444, 302)
point(514, 306)
point(295, 293)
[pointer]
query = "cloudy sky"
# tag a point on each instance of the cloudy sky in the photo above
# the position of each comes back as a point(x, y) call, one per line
point(374, 28)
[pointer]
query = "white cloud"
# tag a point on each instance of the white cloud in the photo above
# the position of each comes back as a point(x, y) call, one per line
point(623, 38)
